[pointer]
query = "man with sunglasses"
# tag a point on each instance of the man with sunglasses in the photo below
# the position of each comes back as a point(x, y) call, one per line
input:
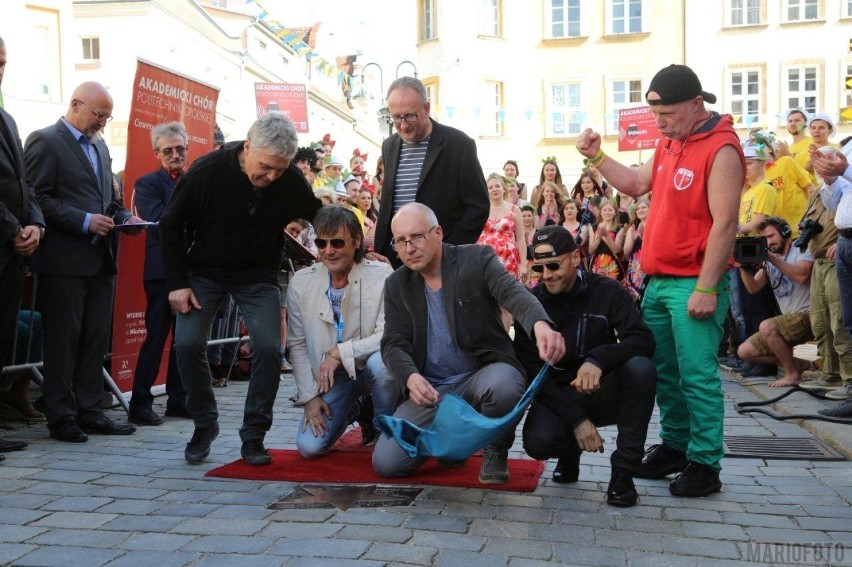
point(150, 196)
point(696, 176)
point(444, 333)
point(427, 162)
point(605, 376)
point(223, 233)
point(69, 166)
point(336, 318)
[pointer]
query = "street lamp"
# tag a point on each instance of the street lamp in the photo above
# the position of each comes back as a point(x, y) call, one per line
point(384, 113)
point(403, 63)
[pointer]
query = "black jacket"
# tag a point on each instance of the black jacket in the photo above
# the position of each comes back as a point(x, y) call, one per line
point(601, 325)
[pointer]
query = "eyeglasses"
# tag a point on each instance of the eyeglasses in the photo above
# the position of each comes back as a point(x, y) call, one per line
point(336, 243)
point(400, 244)
point(175, 150)
point(552, 266)
point(409, 118)
point(99, 115)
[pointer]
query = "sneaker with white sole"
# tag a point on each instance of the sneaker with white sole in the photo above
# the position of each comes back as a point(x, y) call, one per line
point(822, 381)
point(842, 393)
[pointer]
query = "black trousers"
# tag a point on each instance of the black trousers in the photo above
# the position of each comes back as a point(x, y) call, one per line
point(625, 399)
point(159, 320)
point(11, 286)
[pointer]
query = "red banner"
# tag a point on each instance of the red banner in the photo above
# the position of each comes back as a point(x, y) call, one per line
point(290, 100)
point(159, 96)
point(636, 129)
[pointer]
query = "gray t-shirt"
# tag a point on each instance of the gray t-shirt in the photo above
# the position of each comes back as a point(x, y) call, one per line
point(792, 297)
point(446, 363)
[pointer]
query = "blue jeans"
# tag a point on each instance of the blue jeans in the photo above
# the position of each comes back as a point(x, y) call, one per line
point(343, 399)
point(736, 308)
point(260, 306)
point(843, 265)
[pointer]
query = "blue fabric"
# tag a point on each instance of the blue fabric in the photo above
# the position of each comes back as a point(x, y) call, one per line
point(458, 430)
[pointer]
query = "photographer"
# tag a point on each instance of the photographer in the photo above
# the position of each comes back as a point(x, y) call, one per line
point(757, 203)
point(787, 270)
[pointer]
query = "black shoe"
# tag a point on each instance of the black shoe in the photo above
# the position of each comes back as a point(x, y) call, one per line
point(144, 416)
point(696, 480)
point(840, 410)
point(105, 426)
point(621, 490)
point(178, 411)
point(7, 445)
point(369, 432)
point(2, 458)
point(66, 429)
point(199, 446)
point(758, 370)
point(733, 363)
point(567, 469)
point(255, 453)
point(660, 461)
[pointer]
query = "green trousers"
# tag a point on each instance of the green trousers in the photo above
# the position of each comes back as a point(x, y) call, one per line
point(689, 390)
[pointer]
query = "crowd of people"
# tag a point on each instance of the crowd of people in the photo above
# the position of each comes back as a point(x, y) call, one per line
point(432, 278)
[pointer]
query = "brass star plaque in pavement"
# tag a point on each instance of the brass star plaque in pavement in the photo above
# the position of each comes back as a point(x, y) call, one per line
point(344, 496)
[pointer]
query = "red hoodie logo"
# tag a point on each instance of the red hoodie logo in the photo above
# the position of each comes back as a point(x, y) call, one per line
point(683, 178)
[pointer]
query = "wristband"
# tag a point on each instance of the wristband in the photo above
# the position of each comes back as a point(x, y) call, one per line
point(332, 355)
point(597, 159)
point(707, 290)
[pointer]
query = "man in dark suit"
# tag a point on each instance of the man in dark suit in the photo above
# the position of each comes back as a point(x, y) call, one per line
point(432, 164)
point(21, 228)
point(151, 194)
point(68, 164)
point(444, 333)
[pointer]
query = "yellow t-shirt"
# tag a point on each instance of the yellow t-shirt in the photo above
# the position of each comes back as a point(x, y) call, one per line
point(759, 199)
point(801, 146)
point(804, 159)
point(791, 183)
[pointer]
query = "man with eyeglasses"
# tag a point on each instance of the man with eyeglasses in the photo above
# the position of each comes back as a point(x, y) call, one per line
point(150, 196)
point(605, 378)
point(223, 233)
point(444, 333)
point(696, 176)
point(336, 320)
point(427, 162)
point(69, 166)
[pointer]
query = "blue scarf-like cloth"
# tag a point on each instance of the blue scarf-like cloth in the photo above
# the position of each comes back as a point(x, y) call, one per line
point(458, 430)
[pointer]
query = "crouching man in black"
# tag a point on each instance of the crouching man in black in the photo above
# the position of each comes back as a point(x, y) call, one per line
point(606, 376)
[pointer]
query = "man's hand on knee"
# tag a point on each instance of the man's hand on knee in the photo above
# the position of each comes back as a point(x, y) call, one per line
point(314, 412)
point(421, 392)
point(588, 437)
point(588, 378)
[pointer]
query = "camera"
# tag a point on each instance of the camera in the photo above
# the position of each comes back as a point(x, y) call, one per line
point(750, 250)
point(808, 228)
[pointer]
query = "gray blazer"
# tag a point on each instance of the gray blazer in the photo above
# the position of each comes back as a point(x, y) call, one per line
point(475, 286)
point(67, 188)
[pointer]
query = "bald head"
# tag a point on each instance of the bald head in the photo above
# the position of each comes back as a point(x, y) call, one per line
point(90, 108)
point(2, 59)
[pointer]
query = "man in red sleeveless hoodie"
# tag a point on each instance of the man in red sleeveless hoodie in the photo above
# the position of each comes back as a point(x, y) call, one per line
point(696, 176)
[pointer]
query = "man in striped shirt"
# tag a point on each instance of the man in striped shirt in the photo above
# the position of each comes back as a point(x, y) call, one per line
point(429, 163)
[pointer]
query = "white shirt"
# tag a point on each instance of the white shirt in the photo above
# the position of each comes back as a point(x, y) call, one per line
point(838, 195)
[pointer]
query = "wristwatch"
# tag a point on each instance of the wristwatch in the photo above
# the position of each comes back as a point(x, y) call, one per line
point(41, 233)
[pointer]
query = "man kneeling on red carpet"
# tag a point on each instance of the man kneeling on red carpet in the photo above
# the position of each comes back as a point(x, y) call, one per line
point(336, 318)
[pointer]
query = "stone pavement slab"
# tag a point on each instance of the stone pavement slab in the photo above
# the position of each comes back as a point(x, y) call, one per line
point(134, 501)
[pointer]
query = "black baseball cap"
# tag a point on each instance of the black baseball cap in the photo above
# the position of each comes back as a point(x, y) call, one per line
point(555, 236)
point(677, 83)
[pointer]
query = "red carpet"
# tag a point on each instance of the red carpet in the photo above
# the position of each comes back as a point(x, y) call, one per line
point(349, 463)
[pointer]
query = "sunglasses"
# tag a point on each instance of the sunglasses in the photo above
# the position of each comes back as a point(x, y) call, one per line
point(336, 243)
point(552, 266)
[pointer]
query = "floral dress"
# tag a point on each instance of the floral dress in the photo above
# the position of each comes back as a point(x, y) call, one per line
point(604, 262)
point(635, 275)
point(499, 234)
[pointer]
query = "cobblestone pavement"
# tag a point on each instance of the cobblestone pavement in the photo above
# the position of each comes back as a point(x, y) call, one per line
point(134, 501)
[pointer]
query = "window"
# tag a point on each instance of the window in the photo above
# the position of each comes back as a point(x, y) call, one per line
point(802, 88)
point(847, 8)
point(847, 92)
point(493, 114)
point(745, 95)
point(564, 18)
point(563, 109)
point(490, 20)
point(427, 20)
point(800, 10)
point(745, 12)
point(432, 91)
point(91, 49)
point(626, 16)
point(626, 93)
point(42, 80)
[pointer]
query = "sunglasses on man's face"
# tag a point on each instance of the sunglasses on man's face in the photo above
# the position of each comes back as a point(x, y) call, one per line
point(552, 266)
point(336, 243)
